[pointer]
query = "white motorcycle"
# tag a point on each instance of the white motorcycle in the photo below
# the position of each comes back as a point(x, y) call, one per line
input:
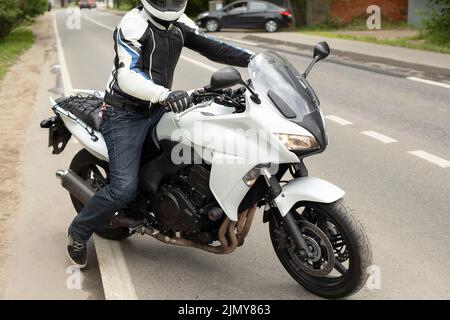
point(205, 172)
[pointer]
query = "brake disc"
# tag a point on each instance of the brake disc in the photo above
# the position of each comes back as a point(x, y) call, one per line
point(322, 261)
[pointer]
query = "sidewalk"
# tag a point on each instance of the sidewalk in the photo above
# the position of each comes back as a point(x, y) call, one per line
point(35, 209)
point(417, 59)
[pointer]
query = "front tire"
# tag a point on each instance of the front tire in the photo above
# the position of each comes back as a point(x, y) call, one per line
point(350, 246)
point(271, 25)
point(89, 168)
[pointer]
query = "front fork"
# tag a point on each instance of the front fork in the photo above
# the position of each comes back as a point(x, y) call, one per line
point(288, 220)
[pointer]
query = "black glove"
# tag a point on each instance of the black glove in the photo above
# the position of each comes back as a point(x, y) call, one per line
point(177, 101)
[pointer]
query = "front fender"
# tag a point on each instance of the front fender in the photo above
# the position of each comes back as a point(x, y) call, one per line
point(307, 189)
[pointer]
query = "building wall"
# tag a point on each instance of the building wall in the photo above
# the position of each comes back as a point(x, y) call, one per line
point(317, 11)
point(344, 11)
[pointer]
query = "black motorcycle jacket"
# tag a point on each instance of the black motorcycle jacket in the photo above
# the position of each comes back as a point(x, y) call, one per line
point(146, 54)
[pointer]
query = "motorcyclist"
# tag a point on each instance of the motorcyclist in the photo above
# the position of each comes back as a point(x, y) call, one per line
point(147, 44)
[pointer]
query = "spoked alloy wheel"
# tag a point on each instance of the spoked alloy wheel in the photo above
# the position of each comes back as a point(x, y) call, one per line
point(341, 250)
point(271, 26)
point(95, 171)
point(212, 25)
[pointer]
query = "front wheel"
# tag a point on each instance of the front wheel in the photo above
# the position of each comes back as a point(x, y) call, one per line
point(340, 245)
point(271, 26)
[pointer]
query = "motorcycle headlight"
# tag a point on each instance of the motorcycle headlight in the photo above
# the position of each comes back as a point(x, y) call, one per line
point(296, 142)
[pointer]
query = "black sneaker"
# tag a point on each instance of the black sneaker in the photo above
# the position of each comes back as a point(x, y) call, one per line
point(77, 252)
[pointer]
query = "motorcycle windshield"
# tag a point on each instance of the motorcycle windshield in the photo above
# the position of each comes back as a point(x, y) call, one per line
point(274, 76)
point(277, 79)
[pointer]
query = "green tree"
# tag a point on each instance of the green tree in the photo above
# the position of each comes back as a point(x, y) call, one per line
point(438, 24)
point(195, 7)
point(10, 16)
point(33, 8)
point(12, 12)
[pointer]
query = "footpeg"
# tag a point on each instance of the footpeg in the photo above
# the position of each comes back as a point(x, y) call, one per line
point(134, 225)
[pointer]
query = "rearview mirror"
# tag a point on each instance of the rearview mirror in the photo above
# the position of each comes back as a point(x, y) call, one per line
point(321, 51)
point(225, 78)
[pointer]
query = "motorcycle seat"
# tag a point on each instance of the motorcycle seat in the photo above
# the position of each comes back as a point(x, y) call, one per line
point(86, 109)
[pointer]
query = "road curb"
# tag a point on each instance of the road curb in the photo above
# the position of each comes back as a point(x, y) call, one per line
point(354, 55)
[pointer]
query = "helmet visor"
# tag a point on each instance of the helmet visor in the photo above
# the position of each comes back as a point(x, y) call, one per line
point(167, 5)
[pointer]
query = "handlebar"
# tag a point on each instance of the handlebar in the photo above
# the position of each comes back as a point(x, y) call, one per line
point(228, 97)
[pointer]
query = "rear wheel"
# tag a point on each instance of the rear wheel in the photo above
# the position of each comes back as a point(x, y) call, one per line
point(212, 25)
point(341, 249)
point(94, 171)
point(271, 25)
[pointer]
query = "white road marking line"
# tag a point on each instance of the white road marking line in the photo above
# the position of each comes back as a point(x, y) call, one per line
point(67, 83)
point(114, 271)
point(379, 136)
point(116, 278)
point(200, 64)
point(339, 120)
point(434, 83)
point(431, 158)
point(98, 23)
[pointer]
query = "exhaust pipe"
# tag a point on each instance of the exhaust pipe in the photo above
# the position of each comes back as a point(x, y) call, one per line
point(76, 186)
point(83, 192)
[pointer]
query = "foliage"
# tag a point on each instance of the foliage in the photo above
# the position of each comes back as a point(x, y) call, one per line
point(12, 12)
point(10, 16)
point(437, 25)
point(33, 8)
point(12, 46)
point(195, 7)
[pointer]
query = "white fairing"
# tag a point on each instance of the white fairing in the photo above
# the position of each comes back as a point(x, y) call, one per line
point(232, 143)
point(307, 189)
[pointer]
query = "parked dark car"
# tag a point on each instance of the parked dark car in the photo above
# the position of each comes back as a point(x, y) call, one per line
point(246, 14)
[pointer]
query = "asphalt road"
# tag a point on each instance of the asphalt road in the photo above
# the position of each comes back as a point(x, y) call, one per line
point(402, 199)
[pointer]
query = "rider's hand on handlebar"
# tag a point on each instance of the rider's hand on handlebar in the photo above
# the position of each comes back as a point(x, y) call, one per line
point(177, 101)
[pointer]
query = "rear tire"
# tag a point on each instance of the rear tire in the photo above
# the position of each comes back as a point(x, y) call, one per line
point(212, 25)
point(81, 165)
point(356, 241)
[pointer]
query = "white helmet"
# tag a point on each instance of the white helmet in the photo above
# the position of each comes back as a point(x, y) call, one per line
point(166, 10)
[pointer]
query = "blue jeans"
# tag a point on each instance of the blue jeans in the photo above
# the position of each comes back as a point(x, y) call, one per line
point(124, 133)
